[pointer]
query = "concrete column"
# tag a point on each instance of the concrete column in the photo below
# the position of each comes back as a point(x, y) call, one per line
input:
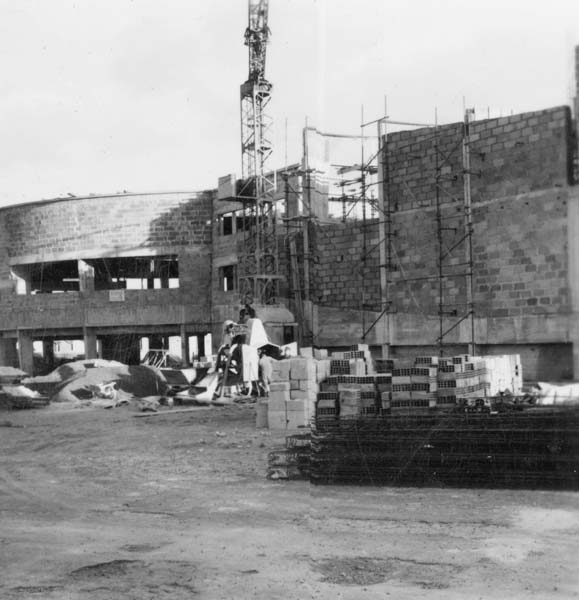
point(8, 352)
point(48, 350)
point(85, 277)
point(185, 357)
point(201, 344)
point(157, 342)
point(90, 343)
point(26, 352)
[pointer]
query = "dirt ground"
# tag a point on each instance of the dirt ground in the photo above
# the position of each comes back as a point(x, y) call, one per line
point(99, 505)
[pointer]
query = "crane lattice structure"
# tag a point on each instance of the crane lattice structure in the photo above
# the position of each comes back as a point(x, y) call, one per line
point(258, 267)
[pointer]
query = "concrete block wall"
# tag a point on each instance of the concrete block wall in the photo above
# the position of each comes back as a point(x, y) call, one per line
point(515, 154)
point(341, 277)
point(100, 226)
point(521, 255)
point(519, 216)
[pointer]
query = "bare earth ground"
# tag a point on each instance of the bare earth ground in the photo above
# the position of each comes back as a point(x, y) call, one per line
point(99, 505)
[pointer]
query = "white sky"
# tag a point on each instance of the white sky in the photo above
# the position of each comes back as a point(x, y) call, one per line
point(101, 96)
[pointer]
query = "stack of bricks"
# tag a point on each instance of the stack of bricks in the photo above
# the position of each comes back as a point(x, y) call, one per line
point(504, 373)
point(357, 361)
point(352, 387)
point(426, 383)
point(461, 378)
point(293, 391)
point(412, 388)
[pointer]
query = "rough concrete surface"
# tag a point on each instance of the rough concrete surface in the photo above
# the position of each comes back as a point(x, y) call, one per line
point(99, 505)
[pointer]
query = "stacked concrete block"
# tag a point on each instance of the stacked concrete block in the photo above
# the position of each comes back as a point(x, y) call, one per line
point(304, 383)
point(322, 369)
point(383, 365)
point(464, 378)
point(504, 373)
point(348, 363)
point(339, 366)
point(350, 399)
point(280, 370)
point(363, 351)
point(285, 412)
point(327, 404)
point(414, 387)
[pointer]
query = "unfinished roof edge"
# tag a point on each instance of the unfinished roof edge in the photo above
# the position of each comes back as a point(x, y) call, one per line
point(504, 120)
point(113, 195)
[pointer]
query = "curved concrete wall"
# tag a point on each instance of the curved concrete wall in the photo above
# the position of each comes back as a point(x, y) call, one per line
point(130, 225)
point(68, 229)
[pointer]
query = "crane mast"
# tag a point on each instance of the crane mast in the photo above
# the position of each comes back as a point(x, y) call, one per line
point(258, 267)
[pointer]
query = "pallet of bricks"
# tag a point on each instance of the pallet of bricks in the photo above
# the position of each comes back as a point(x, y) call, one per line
point(353, 387)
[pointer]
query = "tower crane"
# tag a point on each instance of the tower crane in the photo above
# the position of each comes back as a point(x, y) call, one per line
point(258, 267)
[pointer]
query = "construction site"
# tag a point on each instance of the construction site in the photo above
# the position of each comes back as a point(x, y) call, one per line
point(352, 376)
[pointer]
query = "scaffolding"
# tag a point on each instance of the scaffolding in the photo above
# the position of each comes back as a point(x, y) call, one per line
point(362, 190)
point(454, 236)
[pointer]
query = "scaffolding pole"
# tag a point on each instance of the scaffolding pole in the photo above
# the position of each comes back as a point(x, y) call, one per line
point(447, 309)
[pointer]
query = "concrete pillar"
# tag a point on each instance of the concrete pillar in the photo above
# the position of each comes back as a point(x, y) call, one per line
point(85, 277)
point(48, 350)
point(185, 357)
point(8, 352)
point(26, 352)
point(201, 344)
point(157, 342)
point(90, 343)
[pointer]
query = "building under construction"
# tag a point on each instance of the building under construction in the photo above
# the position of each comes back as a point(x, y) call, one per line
point(433, 239)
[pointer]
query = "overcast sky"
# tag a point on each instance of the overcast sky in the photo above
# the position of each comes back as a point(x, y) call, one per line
point(101, 96)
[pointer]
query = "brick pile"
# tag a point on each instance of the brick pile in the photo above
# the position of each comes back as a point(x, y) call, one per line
point(293, 391)
point(429, 383)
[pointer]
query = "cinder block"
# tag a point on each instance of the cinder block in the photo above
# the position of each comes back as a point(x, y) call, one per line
point(280, 370)
point(290, 420)
point(307, 385)
point(301, 395)
point(279, 397)
point(306, 352)
point(320, 353)
point(279, 386)
point(323, 369)
point(297, 405)
point(357, 366)
point(302, 368)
